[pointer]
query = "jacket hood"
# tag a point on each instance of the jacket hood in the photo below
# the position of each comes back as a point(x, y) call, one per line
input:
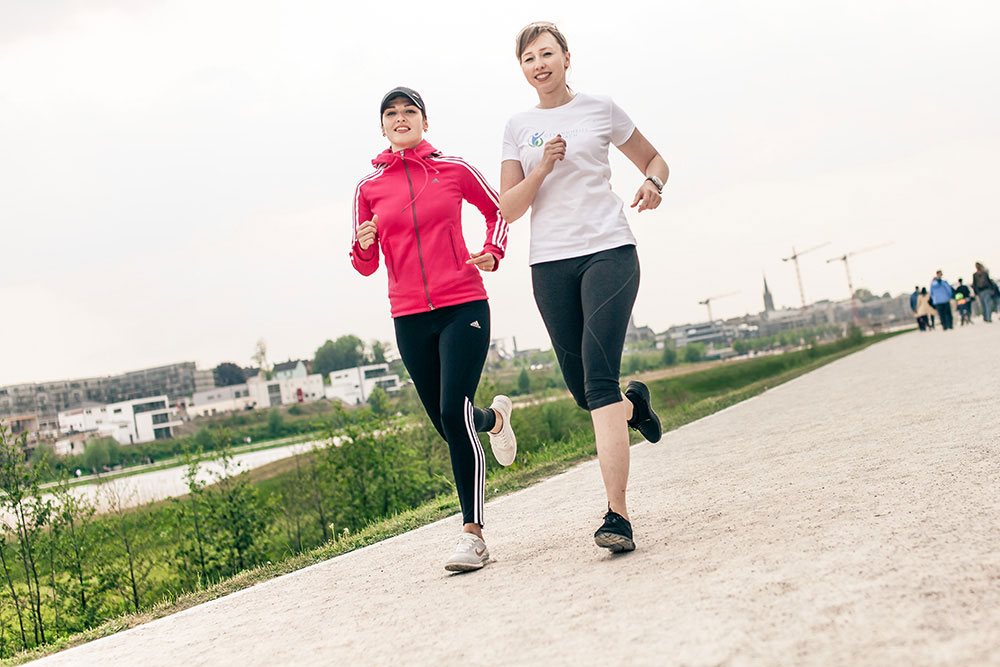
point(388, 156)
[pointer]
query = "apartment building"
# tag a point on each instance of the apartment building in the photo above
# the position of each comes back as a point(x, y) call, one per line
point(354, 385)
point(128, 422)
point(48, 399)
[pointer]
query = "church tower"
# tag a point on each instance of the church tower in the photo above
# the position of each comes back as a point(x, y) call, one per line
point(768, 299)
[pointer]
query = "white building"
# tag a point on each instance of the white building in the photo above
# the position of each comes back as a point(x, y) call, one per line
point(266, 393)
point(128, 422)
point(221, 399)
point(354, 385)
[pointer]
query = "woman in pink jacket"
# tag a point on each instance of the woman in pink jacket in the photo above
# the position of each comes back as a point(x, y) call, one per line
point(410, 209)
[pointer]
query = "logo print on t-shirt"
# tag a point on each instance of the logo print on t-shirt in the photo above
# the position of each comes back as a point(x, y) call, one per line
point(536, 139)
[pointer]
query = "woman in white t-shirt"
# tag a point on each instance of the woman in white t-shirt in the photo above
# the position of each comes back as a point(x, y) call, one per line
point(584, 267)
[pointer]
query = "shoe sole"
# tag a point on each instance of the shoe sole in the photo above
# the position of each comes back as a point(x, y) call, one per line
point(614, 542)
point(464, 567)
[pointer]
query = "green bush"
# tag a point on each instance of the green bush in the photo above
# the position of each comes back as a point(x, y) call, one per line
point(669, 355)
point(694, 352)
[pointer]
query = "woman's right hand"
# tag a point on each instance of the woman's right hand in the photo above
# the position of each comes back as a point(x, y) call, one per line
point(555, 150)
point(366, 233)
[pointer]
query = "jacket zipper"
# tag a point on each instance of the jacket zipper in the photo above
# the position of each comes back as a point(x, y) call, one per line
point(416, 230)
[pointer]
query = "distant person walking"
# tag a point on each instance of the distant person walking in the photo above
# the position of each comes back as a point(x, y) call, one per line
point(584, 266)
point(410, 208)
point(925, 310)
point(913, 298)
point(941, 295)
point(963, 303)
point(985, 290)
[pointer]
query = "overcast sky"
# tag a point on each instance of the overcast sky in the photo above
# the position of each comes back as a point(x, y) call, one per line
point(176, 176)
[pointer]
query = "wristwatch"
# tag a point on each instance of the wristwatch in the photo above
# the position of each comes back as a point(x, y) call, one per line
point(657, 183)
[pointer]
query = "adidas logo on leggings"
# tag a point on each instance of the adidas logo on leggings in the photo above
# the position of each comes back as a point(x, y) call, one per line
point(475, 323)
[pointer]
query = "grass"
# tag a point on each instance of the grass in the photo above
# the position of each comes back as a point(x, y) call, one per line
point(679, 400)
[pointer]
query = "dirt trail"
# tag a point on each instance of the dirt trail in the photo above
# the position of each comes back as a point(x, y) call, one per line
point(851, 516)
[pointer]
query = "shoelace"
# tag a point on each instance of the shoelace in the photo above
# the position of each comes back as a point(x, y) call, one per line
point(468, 538)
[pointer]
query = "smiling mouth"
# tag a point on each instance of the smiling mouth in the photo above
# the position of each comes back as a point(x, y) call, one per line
point(543, 76)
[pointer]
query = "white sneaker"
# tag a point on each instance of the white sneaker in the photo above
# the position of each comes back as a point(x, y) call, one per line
point(470, 554)
point(503, 444)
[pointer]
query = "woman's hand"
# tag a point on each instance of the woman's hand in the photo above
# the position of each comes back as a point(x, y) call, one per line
point(482, 260)
point(555, 150)
point(647, 197)
point(366, 232)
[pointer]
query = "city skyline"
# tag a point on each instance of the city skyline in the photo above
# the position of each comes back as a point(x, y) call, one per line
point(177, 176)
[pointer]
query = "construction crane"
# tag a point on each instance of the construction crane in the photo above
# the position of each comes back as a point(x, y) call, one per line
point(795, 259)
point(708, 302)
point(847, 268)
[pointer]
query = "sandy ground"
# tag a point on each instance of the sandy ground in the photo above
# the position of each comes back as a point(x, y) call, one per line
point(851, 516)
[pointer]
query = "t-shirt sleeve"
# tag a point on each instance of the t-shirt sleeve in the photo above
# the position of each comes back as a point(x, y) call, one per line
point(622, 126)
point(510, 150)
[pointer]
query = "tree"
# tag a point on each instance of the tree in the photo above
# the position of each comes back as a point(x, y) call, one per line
point(694, 352)
point(259, 357)
point(378, 350)
point(669, 354)
point(23, 500)
point(346, 352)
point(864, 294)
point(378, 400)
point(239, 513)
point(73, 528)
point(275, 423)
point(129, 568)
point(227, 374)
point(97, 453)
point(524, 382)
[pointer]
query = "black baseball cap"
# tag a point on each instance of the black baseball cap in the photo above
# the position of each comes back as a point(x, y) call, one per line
point(408, 93)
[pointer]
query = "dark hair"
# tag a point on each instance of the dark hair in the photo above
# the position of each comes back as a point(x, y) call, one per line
point(530, 33)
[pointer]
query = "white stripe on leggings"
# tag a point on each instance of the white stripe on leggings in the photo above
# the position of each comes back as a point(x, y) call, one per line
point(479, 482)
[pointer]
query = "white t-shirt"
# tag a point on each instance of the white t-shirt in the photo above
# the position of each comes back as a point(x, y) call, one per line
point(575, 212)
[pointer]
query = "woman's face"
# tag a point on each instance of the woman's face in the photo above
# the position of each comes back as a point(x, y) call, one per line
point(544, 64)
point(403, 124)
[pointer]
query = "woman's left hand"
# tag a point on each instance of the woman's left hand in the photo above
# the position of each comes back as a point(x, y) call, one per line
point(482, 260)
point(646, 197)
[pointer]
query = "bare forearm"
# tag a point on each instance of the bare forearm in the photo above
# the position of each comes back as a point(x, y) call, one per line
point(515, 201)
point(657, 167)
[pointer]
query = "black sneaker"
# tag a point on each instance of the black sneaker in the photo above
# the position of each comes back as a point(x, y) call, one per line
point(644, 420)
point(616, 533)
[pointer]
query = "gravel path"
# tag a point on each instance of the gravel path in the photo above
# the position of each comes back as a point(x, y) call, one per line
point(851, 516)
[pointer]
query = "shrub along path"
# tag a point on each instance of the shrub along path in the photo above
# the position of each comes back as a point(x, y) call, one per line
point(850, 516)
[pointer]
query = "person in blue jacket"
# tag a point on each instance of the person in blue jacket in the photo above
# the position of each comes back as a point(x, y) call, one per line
point(941, 295)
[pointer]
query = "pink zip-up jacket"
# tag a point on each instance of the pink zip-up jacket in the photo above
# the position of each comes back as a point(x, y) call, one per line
point(417, 195)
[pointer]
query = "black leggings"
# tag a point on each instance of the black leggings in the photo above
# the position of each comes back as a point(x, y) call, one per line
point(444, 351)
point(586, 303)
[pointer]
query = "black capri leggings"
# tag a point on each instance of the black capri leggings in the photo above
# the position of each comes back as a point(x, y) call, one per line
point(444, 351)
point(586, 303)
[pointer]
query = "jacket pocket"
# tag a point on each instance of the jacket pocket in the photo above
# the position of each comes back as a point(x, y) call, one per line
point(388, 262)
point(454, 251)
